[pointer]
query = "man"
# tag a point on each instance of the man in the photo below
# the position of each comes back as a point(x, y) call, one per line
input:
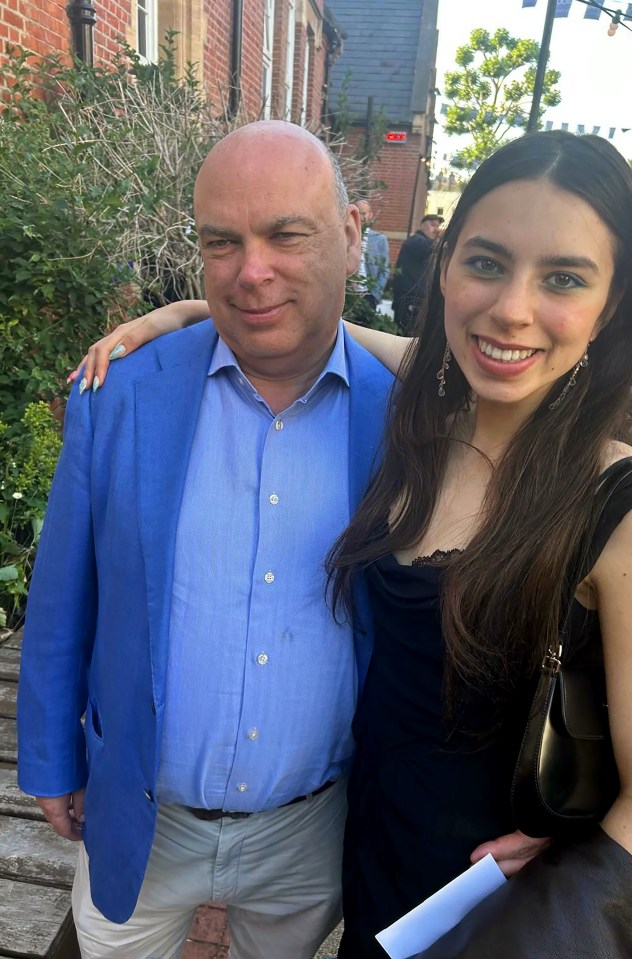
point(178, 598)
point(410, 271)
point(374, 261)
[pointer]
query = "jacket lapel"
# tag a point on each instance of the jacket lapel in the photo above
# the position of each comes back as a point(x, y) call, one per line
point(167, 408)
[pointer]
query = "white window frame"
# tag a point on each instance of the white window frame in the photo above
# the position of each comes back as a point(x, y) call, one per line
point(267, 58)
point(305, 90)
point(147, 18)
point(289, 57)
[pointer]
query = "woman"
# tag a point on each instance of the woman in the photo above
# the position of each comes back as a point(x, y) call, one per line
point(471, 536)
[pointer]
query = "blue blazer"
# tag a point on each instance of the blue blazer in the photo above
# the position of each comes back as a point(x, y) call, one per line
point(97, 627)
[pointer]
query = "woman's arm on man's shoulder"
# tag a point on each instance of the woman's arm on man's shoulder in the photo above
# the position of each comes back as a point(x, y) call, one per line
point(127, 337)
point(388, 348)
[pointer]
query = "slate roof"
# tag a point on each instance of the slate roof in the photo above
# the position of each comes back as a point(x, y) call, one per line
point(381, 50)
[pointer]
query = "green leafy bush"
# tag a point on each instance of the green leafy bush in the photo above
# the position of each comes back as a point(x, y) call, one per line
point(28, 456)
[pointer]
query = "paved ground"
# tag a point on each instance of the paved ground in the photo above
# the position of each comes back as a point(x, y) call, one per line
point(208, 938)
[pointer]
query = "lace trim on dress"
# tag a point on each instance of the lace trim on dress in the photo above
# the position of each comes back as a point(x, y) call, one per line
point(438, 558)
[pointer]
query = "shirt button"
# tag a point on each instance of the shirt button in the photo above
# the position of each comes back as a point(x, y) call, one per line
point(242, 787)
point(274, 499)
point(262, 659)
point(253, 733)
point(269, 577)
point(278, 425)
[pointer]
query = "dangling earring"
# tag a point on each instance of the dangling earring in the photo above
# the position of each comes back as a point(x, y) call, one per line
point(447, 356)
point(583, 363)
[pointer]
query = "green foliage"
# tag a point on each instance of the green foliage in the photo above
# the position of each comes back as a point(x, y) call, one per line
point(96, 172)
point(491, 92)
point(28, 455)
point(357, 309)
point(97, 168)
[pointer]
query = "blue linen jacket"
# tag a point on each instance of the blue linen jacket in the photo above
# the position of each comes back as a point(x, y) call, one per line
point(97, 629)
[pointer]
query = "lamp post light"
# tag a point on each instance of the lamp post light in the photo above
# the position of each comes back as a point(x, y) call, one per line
point(83, 17)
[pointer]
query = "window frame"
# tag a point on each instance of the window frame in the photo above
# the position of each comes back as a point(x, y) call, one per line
point(147, 10)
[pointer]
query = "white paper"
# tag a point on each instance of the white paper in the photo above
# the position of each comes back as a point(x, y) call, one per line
point(426, 923)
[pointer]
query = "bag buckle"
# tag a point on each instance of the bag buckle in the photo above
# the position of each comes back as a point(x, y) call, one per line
point(552, 662)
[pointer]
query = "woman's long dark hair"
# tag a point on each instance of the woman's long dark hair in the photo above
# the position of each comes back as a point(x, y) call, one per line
point(502, 597)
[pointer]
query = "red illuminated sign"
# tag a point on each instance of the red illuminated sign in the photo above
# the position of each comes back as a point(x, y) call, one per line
point(393, 137)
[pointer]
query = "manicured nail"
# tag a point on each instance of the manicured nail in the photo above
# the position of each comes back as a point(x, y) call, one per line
point(72, 377)
point(116, 352)
point(95, 384)
point(83, 386)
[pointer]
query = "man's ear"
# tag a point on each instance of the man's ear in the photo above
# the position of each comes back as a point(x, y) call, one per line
point(353, 234)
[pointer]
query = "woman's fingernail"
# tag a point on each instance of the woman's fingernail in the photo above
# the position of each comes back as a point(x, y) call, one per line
point(95, 384)
point(116, 352)
point(83, 386)
point(72, 377)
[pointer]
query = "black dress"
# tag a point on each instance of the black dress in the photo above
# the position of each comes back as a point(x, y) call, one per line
point(421, 800)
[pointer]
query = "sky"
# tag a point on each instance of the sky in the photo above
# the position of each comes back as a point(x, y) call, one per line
point(596, 81)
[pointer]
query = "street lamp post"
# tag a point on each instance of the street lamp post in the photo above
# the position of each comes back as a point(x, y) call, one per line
point(83, 17)
point(541, 68)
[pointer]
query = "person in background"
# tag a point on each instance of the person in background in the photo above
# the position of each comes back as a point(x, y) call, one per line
point(411, 268)
point(374, 262)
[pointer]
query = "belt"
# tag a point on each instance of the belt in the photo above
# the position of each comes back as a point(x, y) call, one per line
point(211, 815)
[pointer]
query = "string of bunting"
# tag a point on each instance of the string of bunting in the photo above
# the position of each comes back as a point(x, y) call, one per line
point(593, 11)
point(575, 128)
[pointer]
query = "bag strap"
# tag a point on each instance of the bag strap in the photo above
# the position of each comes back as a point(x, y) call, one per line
point(609, 483)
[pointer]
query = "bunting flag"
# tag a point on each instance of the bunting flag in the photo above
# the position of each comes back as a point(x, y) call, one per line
point(561, 10)
point(592, 13)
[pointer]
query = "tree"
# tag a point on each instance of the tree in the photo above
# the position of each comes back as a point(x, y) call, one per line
point(491, 92)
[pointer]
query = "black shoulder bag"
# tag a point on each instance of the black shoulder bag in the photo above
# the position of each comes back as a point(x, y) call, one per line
point(566, 776)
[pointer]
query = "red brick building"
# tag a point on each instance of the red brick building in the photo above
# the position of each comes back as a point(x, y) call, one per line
point(388, 67)
point(268, 57)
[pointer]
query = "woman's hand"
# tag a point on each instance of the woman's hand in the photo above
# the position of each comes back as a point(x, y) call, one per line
point(511, 852)
point(127, 337)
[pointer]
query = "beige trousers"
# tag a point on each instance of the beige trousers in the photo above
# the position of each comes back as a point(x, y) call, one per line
point(278, 873)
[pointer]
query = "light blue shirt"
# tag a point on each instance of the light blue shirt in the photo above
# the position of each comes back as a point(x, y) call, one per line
point(261, 683)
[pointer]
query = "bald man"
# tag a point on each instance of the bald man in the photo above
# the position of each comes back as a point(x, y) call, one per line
point(186, 698)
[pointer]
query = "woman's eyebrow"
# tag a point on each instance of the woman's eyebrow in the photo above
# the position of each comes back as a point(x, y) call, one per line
point(560, 262)
point(491, 245)
point(570, 262)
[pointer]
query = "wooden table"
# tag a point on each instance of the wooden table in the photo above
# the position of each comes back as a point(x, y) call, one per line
point(36, 866)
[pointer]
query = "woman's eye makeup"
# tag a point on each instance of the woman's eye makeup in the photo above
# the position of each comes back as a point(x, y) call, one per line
point(483, 265)
point(565, 281)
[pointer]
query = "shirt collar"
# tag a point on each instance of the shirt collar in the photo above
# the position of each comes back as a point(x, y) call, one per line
point(224, 359)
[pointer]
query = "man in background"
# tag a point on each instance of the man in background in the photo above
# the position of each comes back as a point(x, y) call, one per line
point(374, 262)
point(411, 269)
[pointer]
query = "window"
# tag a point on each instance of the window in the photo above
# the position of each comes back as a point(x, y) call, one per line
point(268, 44)
point(289, 58)
point(147, 30)
point(305, 90)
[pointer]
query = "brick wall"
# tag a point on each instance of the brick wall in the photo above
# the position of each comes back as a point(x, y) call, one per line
point(43, 26)
point(217, 50)
point(396, 166)
point(40, 25)
point(252, 57)
point(114, 22)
